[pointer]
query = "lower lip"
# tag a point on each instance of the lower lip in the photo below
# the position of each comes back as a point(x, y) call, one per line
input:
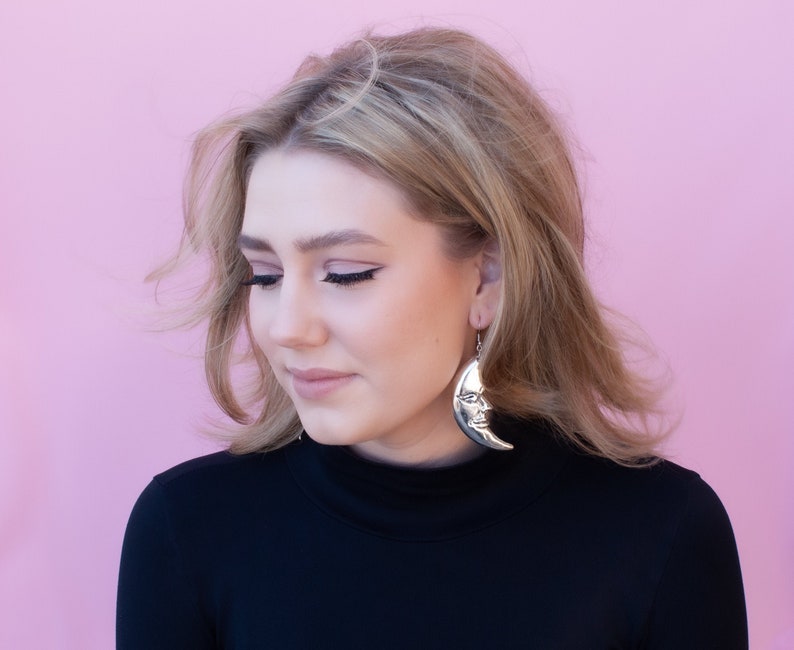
point(318, 388)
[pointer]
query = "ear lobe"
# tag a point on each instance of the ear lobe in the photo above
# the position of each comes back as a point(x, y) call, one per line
point(486, 301)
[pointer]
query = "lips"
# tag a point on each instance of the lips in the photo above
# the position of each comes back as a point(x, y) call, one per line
point(317, 383)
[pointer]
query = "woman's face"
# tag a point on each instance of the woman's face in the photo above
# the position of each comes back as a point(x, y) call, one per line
point(364, 320)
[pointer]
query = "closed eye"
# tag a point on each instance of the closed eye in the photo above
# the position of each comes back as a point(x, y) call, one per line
point(261, 280)
point(348, 279)
point(469, 398)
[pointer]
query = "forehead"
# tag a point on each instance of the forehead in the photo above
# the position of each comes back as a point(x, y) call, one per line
point(301, 195)
point(295, 180)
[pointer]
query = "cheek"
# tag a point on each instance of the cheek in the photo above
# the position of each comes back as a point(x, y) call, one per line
point(259, 323)
point(422, 332)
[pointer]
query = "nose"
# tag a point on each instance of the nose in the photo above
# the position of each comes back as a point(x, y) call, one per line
point(296, 320)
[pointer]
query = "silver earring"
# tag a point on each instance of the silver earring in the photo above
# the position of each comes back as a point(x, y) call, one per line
point(471, 408)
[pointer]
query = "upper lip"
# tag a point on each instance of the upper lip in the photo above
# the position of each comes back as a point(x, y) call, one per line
point(316, 374)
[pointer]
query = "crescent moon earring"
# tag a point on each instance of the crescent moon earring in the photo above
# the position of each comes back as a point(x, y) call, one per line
point(471, 408)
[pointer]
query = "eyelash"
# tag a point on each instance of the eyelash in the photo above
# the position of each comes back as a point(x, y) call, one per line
point(349, 279)
point(340, 279)
point(263, 281)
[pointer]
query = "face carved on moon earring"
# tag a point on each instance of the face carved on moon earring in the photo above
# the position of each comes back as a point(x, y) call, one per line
point(471, 408)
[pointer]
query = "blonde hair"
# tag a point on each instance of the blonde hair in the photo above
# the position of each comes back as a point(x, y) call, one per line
point(476, 151)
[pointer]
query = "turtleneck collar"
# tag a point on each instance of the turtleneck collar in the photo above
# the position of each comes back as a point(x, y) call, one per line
point(429, 504)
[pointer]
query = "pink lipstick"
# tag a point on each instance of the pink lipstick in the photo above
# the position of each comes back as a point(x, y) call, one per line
point(316, 383)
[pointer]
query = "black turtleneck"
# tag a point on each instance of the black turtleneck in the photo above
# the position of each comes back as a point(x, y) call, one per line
point(540, 547)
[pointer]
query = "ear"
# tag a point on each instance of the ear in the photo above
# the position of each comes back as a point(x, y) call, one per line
point(486, 300)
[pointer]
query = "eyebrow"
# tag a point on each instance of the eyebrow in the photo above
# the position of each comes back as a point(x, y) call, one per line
point(307, 244)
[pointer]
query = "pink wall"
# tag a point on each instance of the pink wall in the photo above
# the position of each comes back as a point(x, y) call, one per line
point(685, 109)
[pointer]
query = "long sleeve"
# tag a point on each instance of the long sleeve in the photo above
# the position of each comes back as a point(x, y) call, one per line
point(157, 606)
point(700, 603)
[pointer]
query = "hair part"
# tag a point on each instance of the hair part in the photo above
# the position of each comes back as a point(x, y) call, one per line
point(476, 151)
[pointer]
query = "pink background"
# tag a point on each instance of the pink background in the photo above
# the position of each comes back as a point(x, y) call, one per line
point(684, 110)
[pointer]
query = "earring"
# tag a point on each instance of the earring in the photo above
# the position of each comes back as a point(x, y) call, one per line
point(471, 409)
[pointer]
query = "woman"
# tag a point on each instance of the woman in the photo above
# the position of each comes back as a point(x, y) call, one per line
point(457, 455)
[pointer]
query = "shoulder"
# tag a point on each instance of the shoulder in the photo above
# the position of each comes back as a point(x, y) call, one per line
point(589, 488)
point(666, 529)
point(219, 472)
point(659, 506)
point(209, 490)
point(663, 484)
point(217, 465)
point(673, 530)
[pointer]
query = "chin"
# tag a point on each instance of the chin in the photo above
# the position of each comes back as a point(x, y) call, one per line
point(330, 435)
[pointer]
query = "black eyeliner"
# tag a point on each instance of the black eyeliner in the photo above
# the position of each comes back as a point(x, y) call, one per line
point(261, 280)
point(347, 279)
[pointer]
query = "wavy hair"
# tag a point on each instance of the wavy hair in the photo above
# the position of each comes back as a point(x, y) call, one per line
point(475, 150)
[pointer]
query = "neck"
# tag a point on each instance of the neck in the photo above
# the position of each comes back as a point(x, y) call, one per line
point(435, 451)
